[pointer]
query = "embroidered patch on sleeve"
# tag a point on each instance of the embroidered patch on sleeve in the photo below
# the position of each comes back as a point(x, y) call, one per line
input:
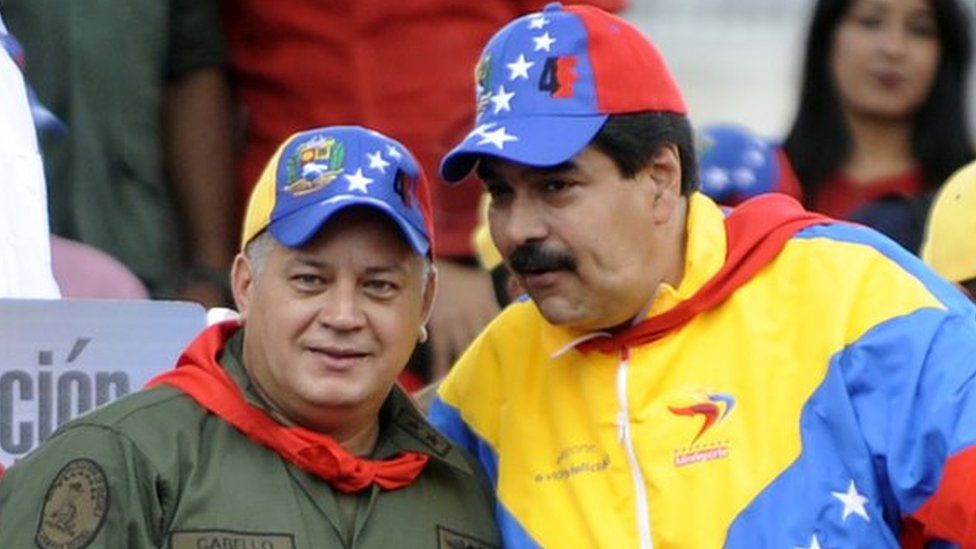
point(74, 507)
point(449, 539)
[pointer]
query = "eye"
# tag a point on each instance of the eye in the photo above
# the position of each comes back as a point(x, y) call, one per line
point(552, 186)
point(381, 288)
point(307, 281)
point(923, 27)
point(498, 191)
point(869, 21)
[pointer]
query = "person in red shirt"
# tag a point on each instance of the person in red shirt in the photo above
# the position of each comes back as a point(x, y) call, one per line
point(881, 119)
point(403, 68)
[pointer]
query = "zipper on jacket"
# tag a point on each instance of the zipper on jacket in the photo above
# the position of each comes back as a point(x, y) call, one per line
point(624, 434)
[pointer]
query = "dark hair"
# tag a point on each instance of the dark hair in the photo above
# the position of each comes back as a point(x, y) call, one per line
point(970, 287)
point(819, 140)
point(630, 140)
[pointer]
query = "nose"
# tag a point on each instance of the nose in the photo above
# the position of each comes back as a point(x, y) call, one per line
point(341, 309)
point(894, 40)
point(521, 221)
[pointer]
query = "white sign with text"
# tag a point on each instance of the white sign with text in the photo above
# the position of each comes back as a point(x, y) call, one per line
point(61, 358)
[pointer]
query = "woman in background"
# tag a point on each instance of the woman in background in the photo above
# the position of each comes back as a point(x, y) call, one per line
point(882, 114)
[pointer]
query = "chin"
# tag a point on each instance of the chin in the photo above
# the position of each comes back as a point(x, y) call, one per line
point(559, 314)
point(334, 396)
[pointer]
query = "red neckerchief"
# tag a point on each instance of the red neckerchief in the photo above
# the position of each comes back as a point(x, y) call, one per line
point(755, 231)
point(199, 375)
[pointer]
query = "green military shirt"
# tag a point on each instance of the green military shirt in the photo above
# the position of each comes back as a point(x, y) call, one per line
point(155, 469)
point(102, 68)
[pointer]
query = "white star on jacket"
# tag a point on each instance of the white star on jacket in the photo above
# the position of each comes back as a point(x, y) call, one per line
point(814, 544)
point(393, 152)
point(501, 99)
point(497, 138)
point(543, 42)
point(376, 161)
point(520, 68)
point(358, 181)
point(538, 22)
point(853, 502)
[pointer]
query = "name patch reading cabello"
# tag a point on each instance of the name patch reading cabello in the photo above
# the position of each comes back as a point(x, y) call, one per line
point(225, 539)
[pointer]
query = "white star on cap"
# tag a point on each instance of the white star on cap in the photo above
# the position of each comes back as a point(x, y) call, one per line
point(814, 544)
point(501, 100)
point(497, 138)
point(520, 68)
point(480, 130)
point(543, 42)
point(853, 502)
point(393, 152)
point(376, 161)
point(538, 21)
point(358, 181)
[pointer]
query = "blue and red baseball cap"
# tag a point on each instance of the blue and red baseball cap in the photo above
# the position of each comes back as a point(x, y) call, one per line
point(547, 82)
point(316, 173)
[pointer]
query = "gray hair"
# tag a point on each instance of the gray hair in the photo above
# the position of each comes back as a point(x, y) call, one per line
point(256, 251)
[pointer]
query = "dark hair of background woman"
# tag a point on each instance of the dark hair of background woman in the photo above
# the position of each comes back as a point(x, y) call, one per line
point(818, 142)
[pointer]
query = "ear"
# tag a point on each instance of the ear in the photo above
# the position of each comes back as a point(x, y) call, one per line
point(664, 171)
point(430, 291)
point(242, 278)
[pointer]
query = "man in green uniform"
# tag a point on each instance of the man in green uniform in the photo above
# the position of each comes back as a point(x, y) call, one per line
point(285, 429)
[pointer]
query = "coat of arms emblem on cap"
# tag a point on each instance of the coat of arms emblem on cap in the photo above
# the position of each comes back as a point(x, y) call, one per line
point(313, 165)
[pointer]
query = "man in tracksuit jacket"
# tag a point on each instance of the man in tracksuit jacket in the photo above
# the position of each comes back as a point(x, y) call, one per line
point(683, 376)
point(285, 430)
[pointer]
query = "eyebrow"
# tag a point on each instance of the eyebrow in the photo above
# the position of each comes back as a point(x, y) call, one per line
point(397, 267)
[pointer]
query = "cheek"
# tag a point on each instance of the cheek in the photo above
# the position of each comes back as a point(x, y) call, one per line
point(497, 234)
point(847, 54)
point(285, 317)
point(926, 66)
point(397, 329)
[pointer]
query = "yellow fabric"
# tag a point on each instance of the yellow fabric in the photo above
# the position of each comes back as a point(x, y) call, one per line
point(950, 241)
point(562, 471)
point(262, 202)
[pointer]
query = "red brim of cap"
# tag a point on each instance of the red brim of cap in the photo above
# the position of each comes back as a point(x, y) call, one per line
point(538, 141)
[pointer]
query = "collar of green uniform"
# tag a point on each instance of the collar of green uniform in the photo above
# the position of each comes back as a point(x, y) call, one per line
point(402, 427)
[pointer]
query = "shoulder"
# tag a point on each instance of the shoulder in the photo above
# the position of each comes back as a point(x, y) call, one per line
point(510, 339)
point(877, 265)
point(143, 427)
point(865, 286)
point(161, 407)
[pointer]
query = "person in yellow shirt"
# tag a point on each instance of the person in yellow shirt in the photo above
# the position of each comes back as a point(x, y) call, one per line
point(682, 375)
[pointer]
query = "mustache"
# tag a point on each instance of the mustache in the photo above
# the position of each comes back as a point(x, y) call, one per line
point(530, 258)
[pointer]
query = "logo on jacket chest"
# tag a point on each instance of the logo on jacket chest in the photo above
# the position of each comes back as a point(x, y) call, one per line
point(701, 414)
